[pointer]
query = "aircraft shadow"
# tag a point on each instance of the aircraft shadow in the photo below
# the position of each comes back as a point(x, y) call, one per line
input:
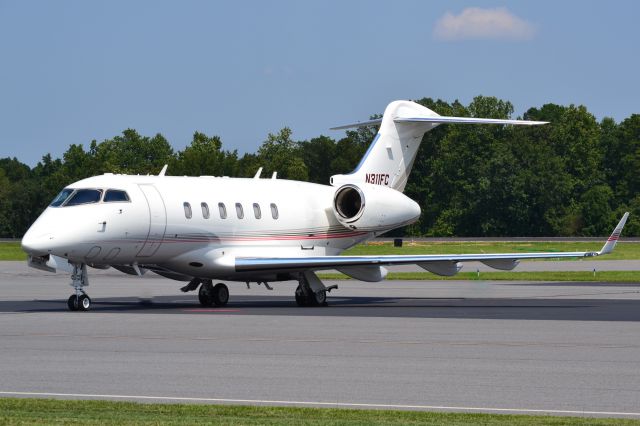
point(463, 308)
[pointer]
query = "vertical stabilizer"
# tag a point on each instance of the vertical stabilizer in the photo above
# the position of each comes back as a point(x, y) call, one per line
point(390, 156)
point(389, 159)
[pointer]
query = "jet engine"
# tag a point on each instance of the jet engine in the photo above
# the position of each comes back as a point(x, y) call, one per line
point(373, 207)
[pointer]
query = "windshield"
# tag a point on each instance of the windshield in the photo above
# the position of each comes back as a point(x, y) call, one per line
point(115, 195)
point(61, 197)
point(84, 196)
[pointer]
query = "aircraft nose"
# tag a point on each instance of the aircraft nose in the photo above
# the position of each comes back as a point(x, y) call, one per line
point(36, 243)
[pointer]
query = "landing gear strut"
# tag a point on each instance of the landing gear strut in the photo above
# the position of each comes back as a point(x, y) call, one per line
point(311, 299)
point(311, 291)
point(213, 295)
point(79, 301)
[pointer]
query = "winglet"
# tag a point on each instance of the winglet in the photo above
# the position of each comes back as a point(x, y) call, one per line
point(613, 239)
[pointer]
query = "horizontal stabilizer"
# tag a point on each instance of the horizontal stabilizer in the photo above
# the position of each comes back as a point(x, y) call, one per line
point(467, 120)
point(442, 120)
point(375, 122)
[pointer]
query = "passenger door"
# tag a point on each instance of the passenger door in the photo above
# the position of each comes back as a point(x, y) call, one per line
point(157, 220)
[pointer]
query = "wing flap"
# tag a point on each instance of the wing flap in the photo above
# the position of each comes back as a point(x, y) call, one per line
point(290, 264)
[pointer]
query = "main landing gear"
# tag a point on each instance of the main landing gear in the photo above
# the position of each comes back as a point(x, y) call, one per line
point(210, 294)
point(311, 291)
point(79, 301)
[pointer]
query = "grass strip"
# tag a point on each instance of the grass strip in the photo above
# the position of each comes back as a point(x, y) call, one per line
point(11, 251)
point(586, 276)
point(72, 412)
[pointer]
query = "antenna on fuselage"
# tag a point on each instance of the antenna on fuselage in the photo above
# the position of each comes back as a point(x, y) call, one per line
point(274, 175)
point(164, 170)
point(258, 173)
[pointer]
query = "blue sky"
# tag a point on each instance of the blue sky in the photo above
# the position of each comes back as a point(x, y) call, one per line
point(73, 71)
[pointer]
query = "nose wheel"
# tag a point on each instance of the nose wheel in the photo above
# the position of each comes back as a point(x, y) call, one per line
point(79, 303)
point(79, 279)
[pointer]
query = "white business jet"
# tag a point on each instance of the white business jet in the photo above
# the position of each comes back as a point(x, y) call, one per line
point(199, 229)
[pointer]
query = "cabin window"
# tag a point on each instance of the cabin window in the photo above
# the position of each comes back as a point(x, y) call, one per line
point(256, 210)
point(205, 210)
point(84, 196)
point(223, 210)
point(61, 197)
point(274, 211)
point(239, 211)
point(115, 195)
point(187, 210)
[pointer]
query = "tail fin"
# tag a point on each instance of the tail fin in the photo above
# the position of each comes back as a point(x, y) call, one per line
point(390, 157)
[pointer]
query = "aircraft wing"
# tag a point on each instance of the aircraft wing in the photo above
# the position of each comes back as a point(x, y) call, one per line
point(442, 264)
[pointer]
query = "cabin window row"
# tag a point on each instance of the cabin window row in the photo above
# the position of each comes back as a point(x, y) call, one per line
point(222, 210)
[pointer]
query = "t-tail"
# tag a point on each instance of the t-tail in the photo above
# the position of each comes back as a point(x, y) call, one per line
point(390, 157)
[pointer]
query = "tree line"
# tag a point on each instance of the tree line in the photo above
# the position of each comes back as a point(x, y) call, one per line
point(573, 177)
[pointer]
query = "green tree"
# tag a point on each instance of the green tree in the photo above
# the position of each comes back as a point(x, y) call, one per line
point(132, 153)
point(279, 153)
point(629, 154)
point(204, 156)
point(317, 154)
point(596, 211)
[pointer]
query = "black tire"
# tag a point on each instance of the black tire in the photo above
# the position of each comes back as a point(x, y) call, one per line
point(72, 303)
point(319, 299)
point(205, 294)
point(84, 303)
point(220, 294)
point(301, 298)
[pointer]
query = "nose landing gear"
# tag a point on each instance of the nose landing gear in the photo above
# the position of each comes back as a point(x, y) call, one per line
point(79, 301)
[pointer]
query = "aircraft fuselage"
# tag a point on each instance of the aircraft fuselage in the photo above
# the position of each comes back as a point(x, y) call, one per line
point(192, 225)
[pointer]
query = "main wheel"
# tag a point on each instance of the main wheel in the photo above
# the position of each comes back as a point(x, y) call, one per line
point(220, 294)
point(301, 298)
point(205, 294)
point(84, 303)
point(72, 303)
point(319, 298)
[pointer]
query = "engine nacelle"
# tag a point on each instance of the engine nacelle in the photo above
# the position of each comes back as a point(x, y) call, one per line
point(373, 207)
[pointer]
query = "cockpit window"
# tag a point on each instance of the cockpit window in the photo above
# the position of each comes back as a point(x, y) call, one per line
point(115, 195)
point(84, 196)
point(61, 197)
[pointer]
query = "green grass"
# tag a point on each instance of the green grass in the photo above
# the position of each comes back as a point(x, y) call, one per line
point(11, 251)
point(608, 276)
point(622, 251)
point(47, 411)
